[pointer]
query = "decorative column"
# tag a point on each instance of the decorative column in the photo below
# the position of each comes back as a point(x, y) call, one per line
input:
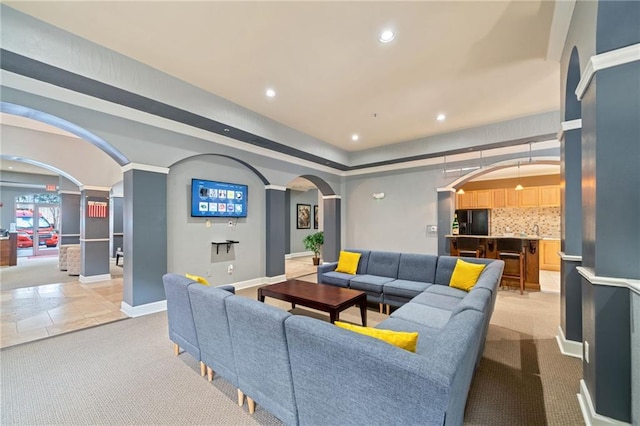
point(94, 234)
point(116, 224)
point(69, 217)
point(331, 223)
point(610, 96)
point(446, 209)
point(570, 330)
point(145, 238)
point(276, 235)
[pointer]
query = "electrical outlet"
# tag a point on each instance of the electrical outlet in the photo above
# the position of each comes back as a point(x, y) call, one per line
point(207, 223)
point(230, 269)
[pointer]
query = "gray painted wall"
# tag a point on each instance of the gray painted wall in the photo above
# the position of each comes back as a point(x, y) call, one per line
point(70, 217)
point(399, 221)
point(145, 236)
point(94, 254)
point(116, 228)
point(189, 240)
point(635, 358)
point(301, 197)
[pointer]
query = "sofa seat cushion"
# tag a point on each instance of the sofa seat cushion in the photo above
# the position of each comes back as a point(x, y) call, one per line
point(437, 301)
point(422, 314)
point(405, 288)
point(369, 283)
point(337, 278)
point(447, 291)
point(479, 299)
point(425, 333)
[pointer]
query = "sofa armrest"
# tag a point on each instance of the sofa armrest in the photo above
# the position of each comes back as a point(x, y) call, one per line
point(231, 289)
point(326, 267)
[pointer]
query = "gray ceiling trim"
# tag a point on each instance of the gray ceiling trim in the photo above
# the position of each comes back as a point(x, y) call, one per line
point(28, 67)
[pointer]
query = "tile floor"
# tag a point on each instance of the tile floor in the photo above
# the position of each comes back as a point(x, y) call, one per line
point(33, 313)
point(549, 282)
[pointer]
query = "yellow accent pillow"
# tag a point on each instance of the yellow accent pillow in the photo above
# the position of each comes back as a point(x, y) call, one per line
point(401, 339)
point(465, 275)
point(348, 262)
point(197, 279)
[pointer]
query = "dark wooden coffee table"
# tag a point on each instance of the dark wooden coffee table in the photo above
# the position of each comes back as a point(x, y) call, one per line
point(325, 298)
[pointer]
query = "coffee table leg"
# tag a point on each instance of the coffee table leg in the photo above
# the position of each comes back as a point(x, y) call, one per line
point(334, 316)
point(363, 311)
point(293, 306)
point(260, 296)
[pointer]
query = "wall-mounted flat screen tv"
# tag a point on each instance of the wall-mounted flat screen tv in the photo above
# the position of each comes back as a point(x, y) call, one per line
point(218, 199)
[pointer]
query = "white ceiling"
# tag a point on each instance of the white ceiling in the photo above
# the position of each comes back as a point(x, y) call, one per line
point(475, 61)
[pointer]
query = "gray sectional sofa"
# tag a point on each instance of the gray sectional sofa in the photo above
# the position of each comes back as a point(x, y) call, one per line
point(310, 372)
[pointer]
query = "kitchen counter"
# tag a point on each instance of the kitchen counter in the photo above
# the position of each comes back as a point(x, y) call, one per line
point(490, 247)
point(516, 236)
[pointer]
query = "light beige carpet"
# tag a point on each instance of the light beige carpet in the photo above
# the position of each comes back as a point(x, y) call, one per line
point(125, 373)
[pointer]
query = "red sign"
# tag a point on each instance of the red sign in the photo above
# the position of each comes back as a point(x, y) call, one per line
point(51, 187)
point(97, 208)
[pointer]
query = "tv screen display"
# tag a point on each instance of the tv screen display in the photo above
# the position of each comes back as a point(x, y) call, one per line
point(218, 199)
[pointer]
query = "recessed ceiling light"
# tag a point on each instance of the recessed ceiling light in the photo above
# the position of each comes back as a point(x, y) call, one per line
point(226, 130)
point(441, 117)
point(270, 93)
point(386, 36)
point(10, 167)
point(355, 137)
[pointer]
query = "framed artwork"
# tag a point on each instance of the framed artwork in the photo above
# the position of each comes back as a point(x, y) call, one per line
point(315, 217)
point(304, 216)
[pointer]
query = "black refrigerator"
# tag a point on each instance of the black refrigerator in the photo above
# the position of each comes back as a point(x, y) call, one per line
point(474, 221)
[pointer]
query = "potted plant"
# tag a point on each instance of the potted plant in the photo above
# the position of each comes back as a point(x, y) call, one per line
point(314, 242)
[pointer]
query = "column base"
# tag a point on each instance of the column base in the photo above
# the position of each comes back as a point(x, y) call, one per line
point(591, 418)
point(141, 310)
point(568, 347)
point(94, 278)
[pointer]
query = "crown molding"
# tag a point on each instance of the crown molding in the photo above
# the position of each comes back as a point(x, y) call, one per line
point(145, 167)
point(606, 60)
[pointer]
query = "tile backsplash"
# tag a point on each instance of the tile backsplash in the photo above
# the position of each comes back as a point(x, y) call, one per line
point(523, 219)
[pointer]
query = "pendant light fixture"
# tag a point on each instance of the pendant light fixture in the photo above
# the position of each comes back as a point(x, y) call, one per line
point(518, 186)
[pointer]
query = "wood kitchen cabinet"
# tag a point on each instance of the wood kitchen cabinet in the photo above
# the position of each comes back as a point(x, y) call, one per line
point(549, 196)
point(466, 200)
point(511, 198)
point(549, 258)
point(483, 199)
point(529, 197)
point(498, 198)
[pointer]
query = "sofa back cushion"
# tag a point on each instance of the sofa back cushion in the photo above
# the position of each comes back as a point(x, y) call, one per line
point(326, 359)
point(182, 329)
point(212, 327)
point(417, 267)
point(364, 260)
point(383, 264)
point(262, 357)
point(446, 265)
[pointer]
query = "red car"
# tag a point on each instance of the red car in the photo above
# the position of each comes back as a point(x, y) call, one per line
point(46, 233)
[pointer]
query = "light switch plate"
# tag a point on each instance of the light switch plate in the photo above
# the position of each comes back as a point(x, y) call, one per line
point(586, 351)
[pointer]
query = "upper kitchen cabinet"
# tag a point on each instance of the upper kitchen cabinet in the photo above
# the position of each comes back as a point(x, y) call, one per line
point(466, 200)
point(498, 198)
point(511, 198)
point(483, 199)
point(549, 196)
point(529, 196)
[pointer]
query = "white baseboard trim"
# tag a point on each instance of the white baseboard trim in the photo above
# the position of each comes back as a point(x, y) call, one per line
point(591, 418)
point(94, 278)
point(568, 347)
point(258, 281)
point(300, 254)
point(140, 310)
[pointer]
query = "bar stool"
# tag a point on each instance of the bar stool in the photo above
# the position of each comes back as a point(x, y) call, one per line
point(509, 258)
